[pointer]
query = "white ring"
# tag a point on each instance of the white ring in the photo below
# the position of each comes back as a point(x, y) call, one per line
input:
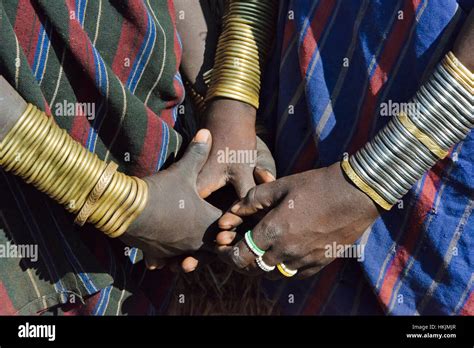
point(263, 265)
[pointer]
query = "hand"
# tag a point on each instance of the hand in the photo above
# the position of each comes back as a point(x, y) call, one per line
point(234, 152)
point(175, 220)
point(306, 213)
point(264, 172)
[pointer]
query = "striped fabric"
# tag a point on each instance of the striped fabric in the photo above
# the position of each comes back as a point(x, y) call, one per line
point(122, 57)
point(336, 61)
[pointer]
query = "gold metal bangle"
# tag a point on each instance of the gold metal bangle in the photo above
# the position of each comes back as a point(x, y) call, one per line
point(46, 150)
point(142, 199)
point(27, 147)
point(127, 212)
point(422, 137)
point(62, 183)
point(99, 188)
point(29, 125)
point(55, 162)
point(107, 201)
point(114, 221)
point(35, 148)
point(363, 186)
point(459, 67)
point(89, 181)
point(67, 194)
point(121, 196)
point(458, 77)
point(80, 170)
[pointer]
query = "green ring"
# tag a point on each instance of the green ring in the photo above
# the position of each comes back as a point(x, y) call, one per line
point(251, 244)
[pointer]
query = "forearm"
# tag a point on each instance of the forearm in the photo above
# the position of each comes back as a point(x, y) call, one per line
point(33, 147)
point(464, 45)
point(198, 31)
point(443, 115)
point(12, 106)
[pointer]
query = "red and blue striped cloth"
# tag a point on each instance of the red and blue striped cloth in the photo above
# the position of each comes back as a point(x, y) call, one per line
point(335, 62)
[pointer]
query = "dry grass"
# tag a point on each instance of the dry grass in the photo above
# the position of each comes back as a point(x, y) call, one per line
point(218, 290)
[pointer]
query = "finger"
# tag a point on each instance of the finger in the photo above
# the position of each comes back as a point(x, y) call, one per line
point(225, 237)
point(197, 261)
point(262, 176)
point(300, 263)
point(229, 221)
point(264, 235)
point(308, 272)
point(243, 183)
point(207, 182)
point(153, 263)
point(258, 198)
point(197, 153)
point(265, 159)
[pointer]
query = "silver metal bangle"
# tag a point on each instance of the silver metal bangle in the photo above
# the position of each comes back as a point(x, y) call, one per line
point(443, 106)
point(410, 142)
point(392, 142)
point(395, 159)
point(440, 100)
point(364, 176)
point(444, 84)
point(443, 131)
point(453, 82)
point(393, 180)
point(393, 167)
point(444, 136)
point(404, 169)
point(452, 122)
point(435, 87)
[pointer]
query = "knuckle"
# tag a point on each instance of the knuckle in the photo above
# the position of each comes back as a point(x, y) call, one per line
point(291, 251)
point(250, 197)
point(199, 149)
point(237, 259)
point(271, 232)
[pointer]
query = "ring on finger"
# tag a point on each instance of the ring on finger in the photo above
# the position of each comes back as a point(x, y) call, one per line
point(287, 272)
point(251, 244)
point(263, 265)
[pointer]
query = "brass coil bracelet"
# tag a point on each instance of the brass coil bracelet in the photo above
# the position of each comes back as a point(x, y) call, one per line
point(46, 156)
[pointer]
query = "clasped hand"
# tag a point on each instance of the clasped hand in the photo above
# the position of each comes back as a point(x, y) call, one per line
point(299, 214)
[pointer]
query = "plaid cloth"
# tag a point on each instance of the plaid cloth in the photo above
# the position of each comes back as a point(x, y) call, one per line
point(122, 57)
point(335, 63)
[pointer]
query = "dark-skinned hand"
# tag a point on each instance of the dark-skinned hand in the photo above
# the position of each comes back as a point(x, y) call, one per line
point(305, 213)
point(232, 124)
point(223, 198)
point(175, 220)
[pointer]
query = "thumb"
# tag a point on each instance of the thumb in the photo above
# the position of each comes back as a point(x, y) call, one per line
point(196, 154)
point(258, 198)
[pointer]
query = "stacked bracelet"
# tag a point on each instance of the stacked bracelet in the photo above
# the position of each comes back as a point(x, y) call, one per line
point(388, 166)
point(43, 154)
point(242, 46)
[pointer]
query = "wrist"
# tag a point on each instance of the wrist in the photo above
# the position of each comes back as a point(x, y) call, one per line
point(353, 197)
point(227, 111)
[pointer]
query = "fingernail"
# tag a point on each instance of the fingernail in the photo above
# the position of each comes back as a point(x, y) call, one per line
point(202, 136)
point(235, 208)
